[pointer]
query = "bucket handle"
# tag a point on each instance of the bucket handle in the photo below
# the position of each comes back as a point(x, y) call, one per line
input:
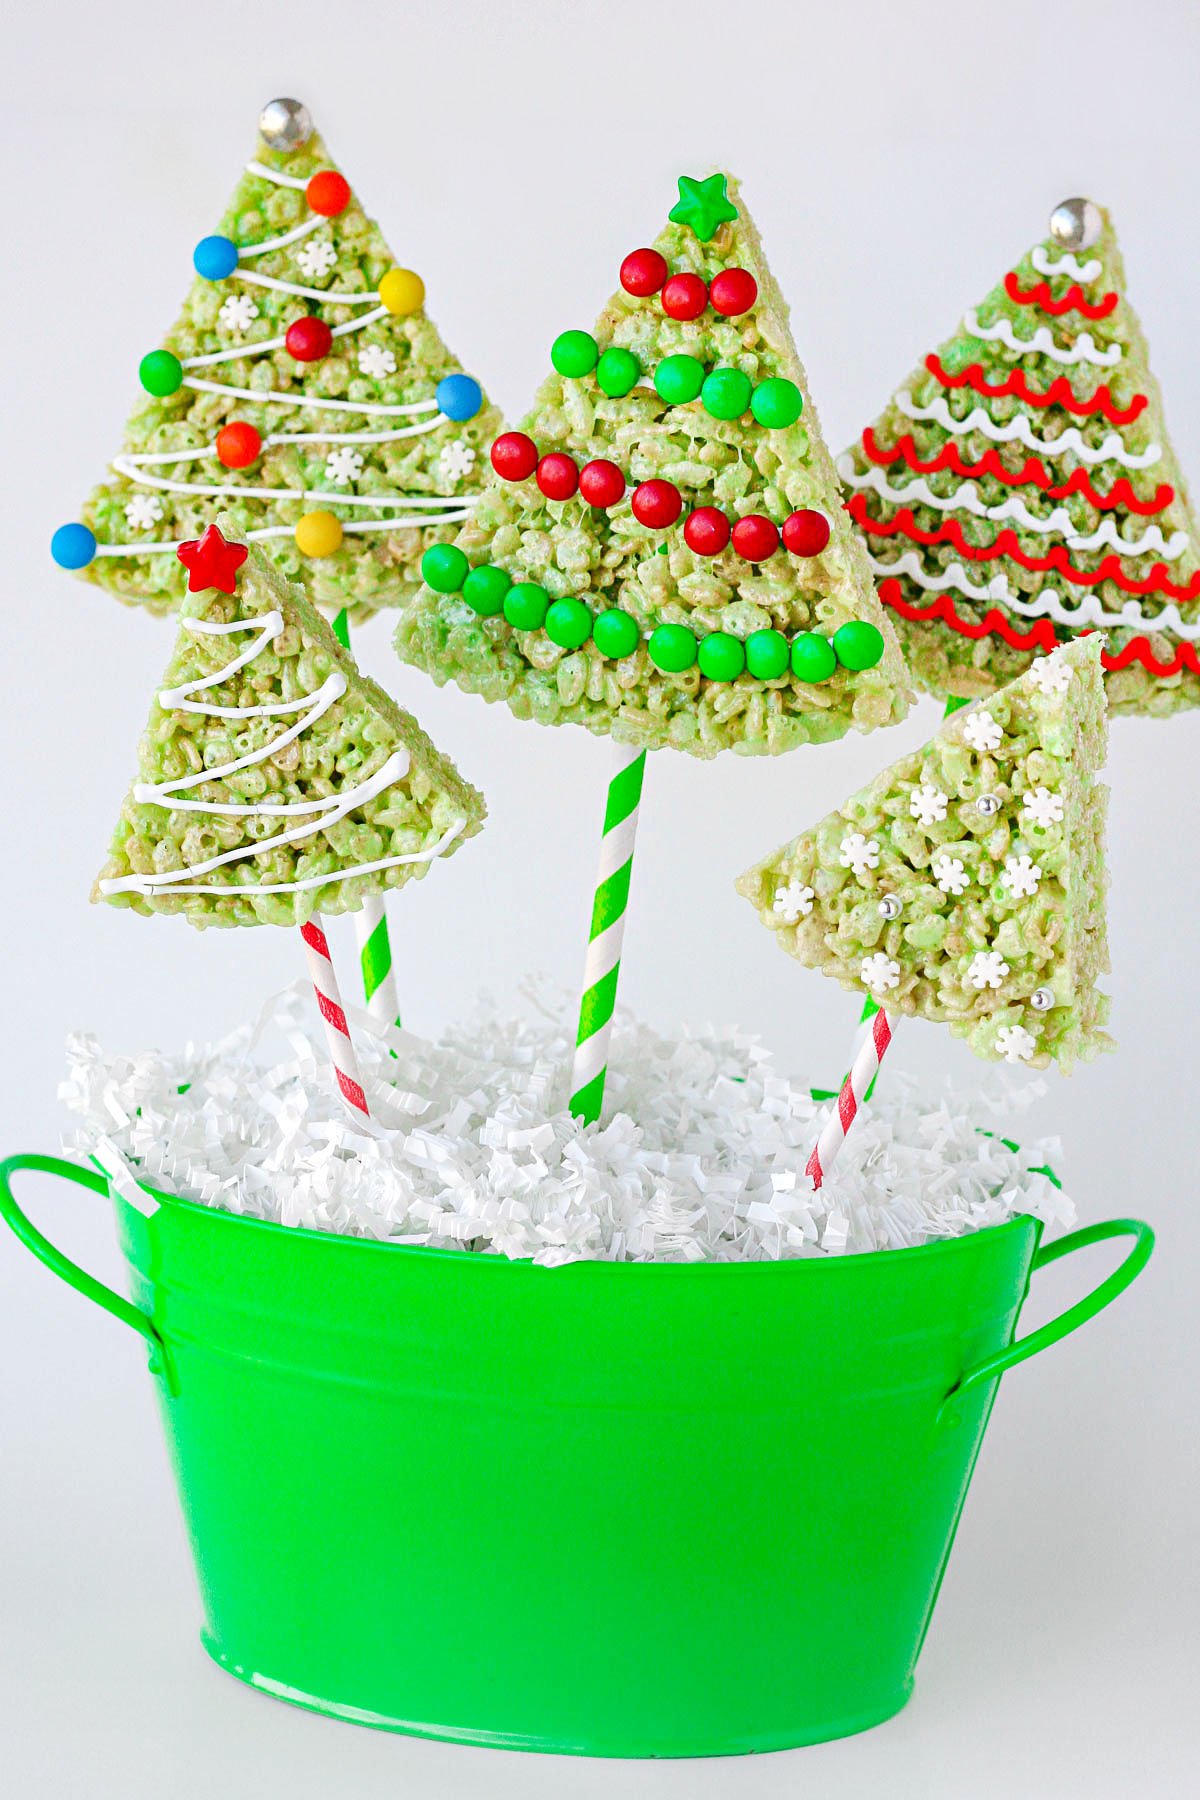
point(61, 1265)
point(993, 1366)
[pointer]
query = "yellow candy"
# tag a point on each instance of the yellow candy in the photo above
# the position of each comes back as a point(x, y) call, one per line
point(402, 292)
point(319, 534)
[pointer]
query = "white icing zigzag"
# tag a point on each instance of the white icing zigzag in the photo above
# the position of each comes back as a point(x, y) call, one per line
point(1067, 265)
point(1019, 430)
point(1043, 343)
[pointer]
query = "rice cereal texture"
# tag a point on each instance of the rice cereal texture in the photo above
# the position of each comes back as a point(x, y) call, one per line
point(397, 458)
point(966, 884)
point(611, 676)
point(1020, 487)
point(233, 823)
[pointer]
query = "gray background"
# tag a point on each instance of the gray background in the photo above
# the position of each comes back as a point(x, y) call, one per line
point(896, 158)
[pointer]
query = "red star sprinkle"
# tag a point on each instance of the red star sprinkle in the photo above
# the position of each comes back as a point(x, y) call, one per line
point(211, 562)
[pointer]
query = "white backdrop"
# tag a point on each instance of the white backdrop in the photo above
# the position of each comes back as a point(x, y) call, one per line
point(896, 158)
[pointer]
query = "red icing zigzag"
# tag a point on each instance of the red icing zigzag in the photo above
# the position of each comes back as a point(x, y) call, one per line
point(1033, 473)
point(1072, 301)
point(1059, 393)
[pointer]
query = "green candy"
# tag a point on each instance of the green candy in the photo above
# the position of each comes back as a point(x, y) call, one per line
point(722, 656)
point(574, 353)
point(485, 588)
point(858, 645)
point(615, 634)
point(678, 379)
point(726, 393)
point(618, 372)
point(767, 655)
point(777, 403)
point(569, 624)
point(672, 648)
point(526, 606)
point(161, 373)
point(813, 657)
point(444, 568)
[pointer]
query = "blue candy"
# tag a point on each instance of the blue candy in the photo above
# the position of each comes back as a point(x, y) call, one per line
point(73, 546)
point(459, 396)
point(215, 258)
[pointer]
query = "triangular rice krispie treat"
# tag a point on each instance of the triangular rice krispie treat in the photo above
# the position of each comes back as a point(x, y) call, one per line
point(274, 780)
point(966, 884)
point(304, 389)
point(662, 552)
point(1021, 487)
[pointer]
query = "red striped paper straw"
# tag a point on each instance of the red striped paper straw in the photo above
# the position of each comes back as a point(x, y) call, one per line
point(333, 1017)
point(854, 1088)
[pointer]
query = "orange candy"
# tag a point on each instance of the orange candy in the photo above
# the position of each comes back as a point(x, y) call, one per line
point(328, 193)
point(238, 444)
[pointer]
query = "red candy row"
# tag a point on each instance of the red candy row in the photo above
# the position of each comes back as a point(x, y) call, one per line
point(731, 293)
point(657, 504)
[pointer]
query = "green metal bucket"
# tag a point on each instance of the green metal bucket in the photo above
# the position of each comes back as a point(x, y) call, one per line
point(460, 1496)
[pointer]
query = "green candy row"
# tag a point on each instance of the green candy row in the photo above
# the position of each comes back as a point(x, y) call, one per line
point(724, 393)
point(766, 655)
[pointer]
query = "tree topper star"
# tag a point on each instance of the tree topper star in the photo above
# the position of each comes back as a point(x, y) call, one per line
point(211, 562)
point(703, 205)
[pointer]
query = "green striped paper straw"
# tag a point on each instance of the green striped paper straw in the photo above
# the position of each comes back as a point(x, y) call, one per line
point(610, 903)
point(370, 922)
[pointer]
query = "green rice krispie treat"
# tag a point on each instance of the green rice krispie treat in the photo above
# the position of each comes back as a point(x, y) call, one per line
point(304, 388)
point(966, 883)
point(1021, 487)
point(662, 552)
point(274, 780)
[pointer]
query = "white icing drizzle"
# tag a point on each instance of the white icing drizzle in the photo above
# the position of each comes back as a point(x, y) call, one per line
point(952, 576)
point(274, 176)
point(1019, 430)
point(334, 296)
point(1066, 265)
point(281, 243)
point(123, 466)
point(278, 343)
point(1047, 601)
point(1043, 343)
point(318, 814)
point(966, 498)
point(282, 531)
point(269, 397)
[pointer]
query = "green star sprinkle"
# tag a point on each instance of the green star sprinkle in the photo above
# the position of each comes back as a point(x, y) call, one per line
point(703, 205)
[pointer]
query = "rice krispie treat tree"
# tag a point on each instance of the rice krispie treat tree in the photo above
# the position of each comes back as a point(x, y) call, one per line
point(662, 553)
point(275, 782)
point(966, 883)
point(1020, 487)
point(302, 386)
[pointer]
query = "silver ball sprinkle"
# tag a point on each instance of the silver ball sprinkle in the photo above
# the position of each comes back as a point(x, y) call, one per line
point(889, 907)
point(285, 124)
point(1076, 224)
point(1042, 999)
point(989, 805)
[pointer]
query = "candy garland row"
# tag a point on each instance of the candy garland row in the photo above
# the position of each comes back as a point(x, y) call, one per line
point(731, 292)
point(766, 655)
point(724, 393)
point(657, 503)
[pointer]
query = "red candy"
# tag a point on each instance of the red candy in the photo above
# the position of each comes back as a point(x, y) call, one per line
point(643, 272)
point(806, 533)
point(755, 537)
point(514, 456)
point(308, 340)
point(657, 503)
point(706, 531)
point(238, 444)
point(557, 476)
point(684, 297)
point(328, 193)
point(601, 483)
point(733, 291)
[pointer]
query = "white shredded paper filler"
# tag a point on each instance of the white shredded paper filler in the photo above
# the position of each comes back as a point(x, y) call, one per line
point(700, 1154)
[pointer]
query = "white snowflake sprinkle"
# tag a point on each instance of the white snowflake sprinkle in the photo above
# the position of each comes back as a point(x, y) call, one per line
point(376, 361)
point(1015, 1044)
point(1042, 808)
point(880, 973)
point(927, 804)
point(456, 460)
point(859, 853)
point(950, 874)
point(343, 466)
point(1051, 674)
point(142, 511)
point(982, 732)
point(238, 312)
point(988, 969)
point(1021, 876)
point(316, 258)
point(793, 902)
